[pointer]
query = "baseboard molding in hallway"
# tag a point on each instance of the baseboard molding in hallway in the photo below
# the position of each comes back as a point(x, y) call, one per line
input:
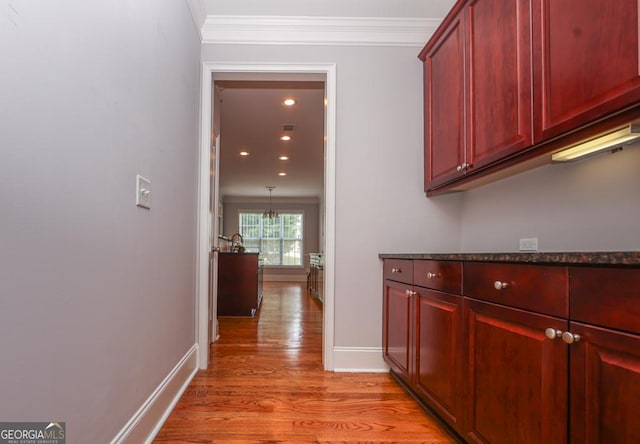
point(147, 421)
point(359, 359)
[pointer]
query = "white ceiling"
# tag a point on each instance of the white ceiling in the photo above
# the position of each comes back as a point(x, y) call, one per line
point(331, 8)
point(252, 118)
point(252, 115)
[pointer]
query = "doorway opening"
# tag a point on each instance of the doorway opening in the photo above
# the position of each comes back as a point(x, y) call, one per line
point(217, 78)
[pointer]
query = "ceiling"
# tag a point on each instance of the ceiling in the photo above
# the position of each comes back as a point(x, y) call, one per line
point(252, 118)
point(331, 8)
point(252, 115)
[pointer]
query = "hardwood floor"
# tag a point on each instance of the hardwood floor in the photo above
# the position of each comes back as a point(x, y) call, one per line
point(265, 384)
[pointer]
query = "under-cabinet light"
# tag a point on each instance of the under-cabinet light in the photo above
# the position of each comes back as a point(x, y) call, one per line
point(610, 141)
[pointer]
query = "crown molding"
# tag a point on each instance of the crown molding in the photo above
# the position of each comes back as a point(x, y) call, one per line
point(280, 30)
point(198, 14)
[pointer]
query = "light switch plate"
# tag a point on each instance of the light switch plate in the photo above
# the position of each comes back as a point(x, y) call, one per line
point(143, 192)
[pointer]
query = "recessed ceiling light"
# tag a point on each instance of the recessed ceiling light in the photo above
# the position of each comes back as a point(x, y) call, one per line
point(283, 157)
point(289, 102)
point(244, 153)
point(285, 137)
point(282, 174)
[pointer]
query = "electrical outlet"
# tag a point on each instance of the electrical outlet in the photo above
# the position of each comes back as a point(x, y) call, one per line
point(143, 192)
point(529, 244)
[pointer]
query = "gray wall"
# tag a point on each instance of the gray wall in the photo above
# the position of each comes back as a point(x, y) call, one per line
point(589, 205)
point(97, 301)
point(380, 203)
point(232, 208)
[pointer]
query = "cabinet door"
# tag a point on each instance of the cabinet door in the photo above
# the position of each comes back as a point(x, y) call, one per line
point(517, 377)
point(605, 386)
point(499, 80)
point(397, 328)
point(439, 351)
point(587, 61)
point(444, 107)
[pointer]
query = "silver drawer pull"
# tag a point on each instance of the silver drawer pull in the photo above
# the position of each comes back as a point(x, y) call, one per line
point(432, 275)
point(500, 285)
point(396, 270)
point(570, 338)
point(552, 333)
point(410, 293)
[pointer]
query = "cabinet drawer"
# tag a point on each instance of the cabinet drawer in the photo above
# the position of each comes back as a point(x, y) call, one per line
point(538, 288)
point(439, 275)
point(400, 270)
point(609, 297)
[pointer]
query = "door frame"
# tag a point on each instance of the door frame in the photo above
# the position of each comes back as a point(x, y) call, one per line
point(204, 195)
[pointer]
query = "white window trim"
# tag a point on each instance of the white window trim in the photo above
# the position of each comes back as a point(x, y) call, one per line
point(302, 241)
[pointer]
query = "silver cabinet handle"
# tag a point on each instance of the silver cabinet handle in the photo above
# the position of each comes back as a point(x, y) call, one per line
point(500, 285)
point(396, 270)
point(463, 167)
point(570, 338)
point(410, 293)
point(432, 275)
point(552, 333)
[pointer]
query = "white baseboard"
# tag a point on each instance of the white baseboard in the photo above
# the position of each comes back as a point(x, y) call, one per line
point(359, 359)
point(145, 424)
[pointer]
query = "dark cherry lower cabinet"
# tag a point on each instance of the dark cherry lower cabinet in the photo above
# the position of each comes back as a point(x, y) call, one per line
point(422, 333)
point(439, 347)
point(605, 386)
point(517, 376)
point(398, 324)
point(518, 353)
point(239, 284)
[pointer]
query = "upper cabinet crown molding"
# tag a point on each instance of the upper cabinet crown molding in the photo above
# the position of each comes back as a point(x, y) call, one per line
point(290, 30)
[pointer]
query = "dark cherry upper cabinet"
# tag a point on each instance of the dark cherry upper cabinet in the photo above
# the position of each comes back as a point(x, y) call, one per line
point(508, 82)
point(586, 62)
point(477, 93)
point(498, 57)
point(444, 85)
point(517, 377)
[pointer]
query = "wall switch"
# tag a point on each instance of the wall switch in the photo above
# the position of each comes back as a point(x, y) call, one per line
point(143, 192)
point(529, 244)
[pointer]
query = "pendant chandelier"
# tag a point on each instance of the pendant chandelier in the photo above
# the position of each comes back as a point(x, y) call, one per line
point(270, 214)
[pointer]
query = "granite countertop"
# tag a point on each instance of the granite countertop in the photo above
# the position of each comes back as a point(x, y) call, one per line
point(586, 258)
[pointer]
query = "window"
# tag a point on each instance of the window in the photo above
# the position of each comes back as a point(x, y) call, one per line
point(278, 240)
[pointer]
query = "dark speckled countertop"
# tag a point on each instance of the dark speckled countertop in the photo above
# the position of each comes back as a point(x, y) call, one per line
point(585, 258)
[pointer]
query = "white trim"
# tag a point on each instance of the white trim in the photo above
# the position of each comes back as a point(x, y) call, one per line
point(208, 70)
point(359, 359)
point(198, 14)
point(145, 424)
point(329, 220)
point(290, 30)
point(203, 234)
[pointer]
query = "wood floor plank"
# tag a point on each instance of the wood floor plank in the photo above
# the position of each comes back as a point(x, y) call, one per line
point(266, 384)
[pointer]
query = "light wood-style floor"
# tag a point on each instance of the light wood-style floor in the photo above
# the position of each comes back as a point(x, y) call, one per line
point(266, 384)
